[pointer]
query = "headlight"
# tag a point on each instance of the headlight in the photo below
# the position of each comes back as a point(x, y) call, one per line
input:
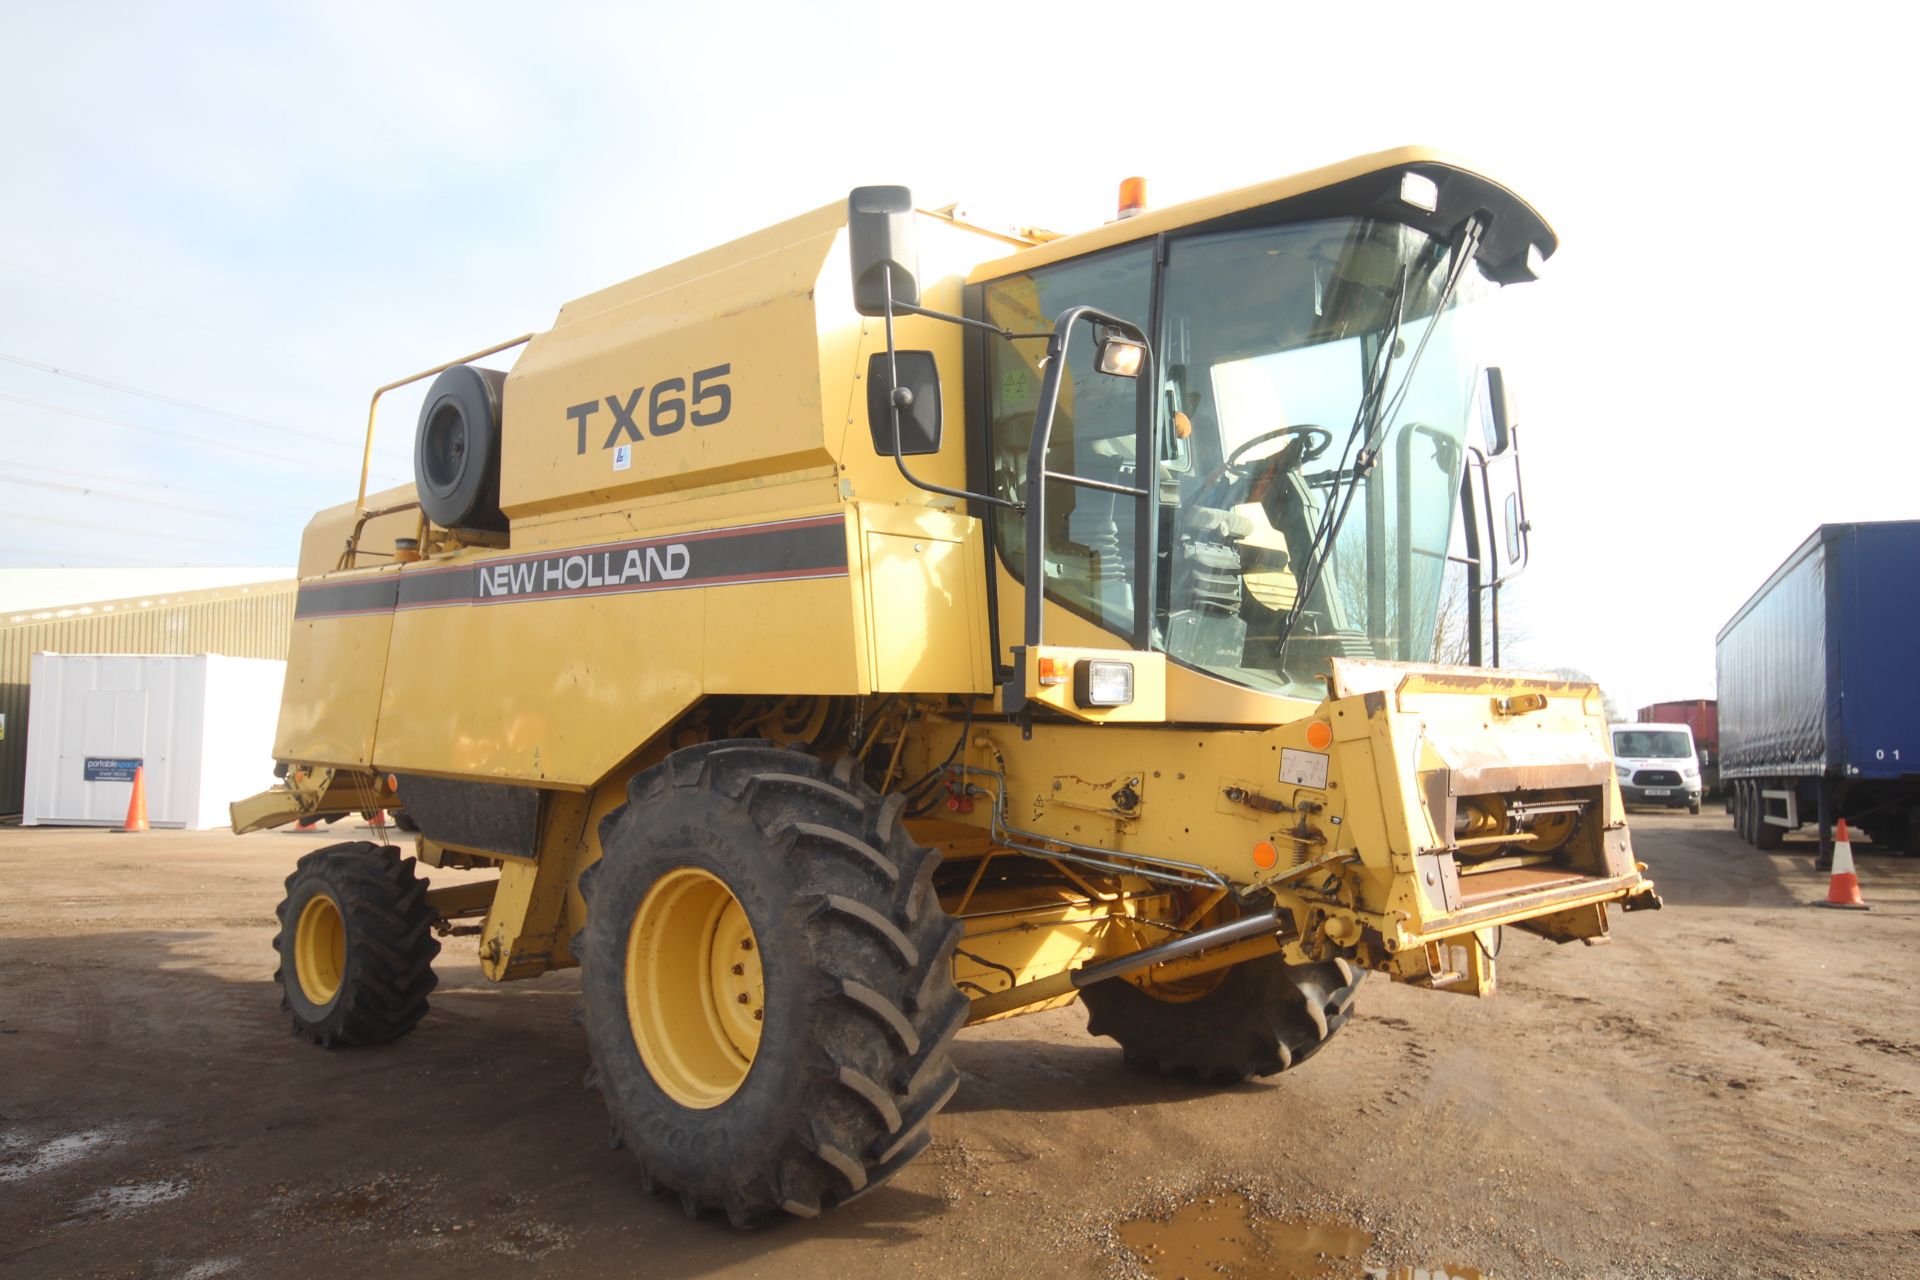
point(1623, 771)
point(1102, 684)
point(1690, 770)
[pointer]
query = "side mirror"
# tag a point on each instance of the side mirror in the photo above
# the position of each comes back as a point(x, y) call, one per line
point(880, 244)
point(919, 407)
point(1499, 410)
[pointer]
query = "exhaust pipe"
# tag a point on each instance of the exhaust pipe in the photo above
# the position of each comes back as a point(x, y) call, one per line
point(1060, 984)
point(1175, 948)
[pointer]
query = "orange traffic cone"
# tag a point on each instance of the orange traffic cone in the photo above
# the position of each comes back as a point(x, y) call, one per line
point(1844, 891)
point(137, 802)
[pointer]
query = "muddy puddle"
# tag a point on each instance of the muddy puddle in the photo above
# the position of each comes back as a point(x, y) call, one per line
point(1221, 1238)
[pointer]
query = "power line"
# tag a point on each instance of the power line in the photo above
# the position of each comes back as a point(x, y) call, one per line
point(120, 301)
point(118, 560)
point(212, 512)
point(168, 433)
point(281, 458)
point(115, 529)
point(124, 389)
point(101, 478)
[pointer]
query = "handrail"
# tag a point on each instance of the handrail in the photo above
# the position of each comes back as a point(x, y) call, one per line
point(351, 554)
point(1038, 473)
point(366, 456)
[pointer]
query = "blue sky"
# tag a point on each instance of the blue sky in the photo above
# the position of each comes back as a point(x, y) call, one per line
point(255, 214)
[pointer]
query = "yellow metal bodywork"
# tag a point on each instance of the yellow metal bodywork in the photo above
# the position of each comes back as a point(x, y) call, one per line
point(1366, 858)
point(310, 790)
point(718, 407)
point(565, 682)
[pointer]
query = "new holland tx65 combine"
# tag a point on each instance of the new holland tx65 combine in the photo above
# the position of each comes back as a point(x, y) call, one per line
point(881, 624)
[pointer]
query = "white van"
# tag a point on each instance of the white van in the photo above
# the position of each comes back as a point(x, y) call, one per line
point(1657, 765)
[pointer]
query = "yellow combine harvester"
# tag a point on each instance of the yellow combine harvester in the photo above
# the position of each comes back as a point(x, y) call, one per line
point(882, 623)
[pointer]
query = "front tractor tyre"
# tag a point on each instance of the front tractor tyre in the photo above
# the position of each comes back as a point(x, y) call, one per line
point(1263, 1017)
point(766, 981)
point(356, 945)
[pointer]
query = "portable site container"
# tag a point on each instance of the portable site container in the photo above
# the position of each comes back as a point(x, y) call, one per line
point(201, 725)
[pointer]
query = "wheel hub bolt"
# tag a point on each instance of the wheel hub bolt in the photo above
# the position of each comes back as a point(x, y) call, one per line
point(739, 968)
point(742, 997)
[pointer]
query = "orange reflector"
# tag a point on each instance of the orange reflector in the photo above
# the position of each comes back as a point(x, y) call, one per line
point(1133, 196)
point(1265, 855)
point(1319, 735)
point(393, 784)
point(1055, 670)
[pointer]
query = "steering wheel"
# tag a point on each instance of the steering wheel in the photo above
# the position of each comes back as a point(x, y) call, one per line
point(1226, 475)
point(1318, 439)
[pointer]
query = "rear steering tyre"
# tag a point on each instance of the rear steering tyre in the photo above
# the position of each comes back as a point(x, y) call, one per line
point(1693, 807)
point(766, 980)
point(356, 945)
point(1265, 1016)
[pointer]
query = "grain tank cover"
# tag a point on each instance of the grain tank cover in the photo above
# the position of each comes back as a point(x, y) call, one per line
point(704, 372)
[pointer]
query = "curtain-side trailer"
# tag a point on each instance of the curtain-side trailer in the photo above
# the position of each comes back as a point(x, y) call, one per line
point(1819, 708)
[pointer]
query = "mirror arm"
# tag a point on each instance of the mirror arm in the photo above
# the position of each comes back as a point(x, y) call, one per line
point(1470, 534)
point(894, 406)
point(908, 309)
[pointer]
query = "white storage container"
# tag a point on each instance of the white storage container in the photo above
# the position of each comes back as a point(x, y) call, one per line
point(201, 725)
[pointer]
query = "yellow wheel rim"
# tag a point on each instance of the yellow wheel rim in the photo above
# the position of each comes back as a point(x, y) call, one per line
point(695, 994)
point(320, 949)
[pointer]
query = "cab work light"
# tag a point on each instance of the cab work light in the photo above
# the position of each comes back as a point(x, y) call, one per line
point(1119, 355)
point(1420, 191)
point(1102, 684)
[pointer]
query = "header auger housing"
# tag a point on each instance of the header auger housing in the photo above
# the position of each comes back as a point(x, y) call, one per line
point(879, 624)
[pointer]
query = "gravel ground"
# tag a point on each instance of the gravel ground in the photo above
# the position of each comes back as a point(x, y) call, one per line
point(1731, 1087)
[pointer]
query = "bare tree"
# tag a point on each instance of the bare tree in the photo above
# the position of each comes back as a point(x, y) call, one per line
point(1451, 620)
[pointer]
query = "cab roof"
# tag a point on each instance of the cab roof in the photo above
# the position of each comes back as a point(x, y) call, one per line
point(1365, 185)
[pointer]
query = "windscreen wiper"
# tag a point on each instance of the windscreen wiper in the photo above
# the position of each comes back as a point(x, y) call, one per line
point(1371, 419)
